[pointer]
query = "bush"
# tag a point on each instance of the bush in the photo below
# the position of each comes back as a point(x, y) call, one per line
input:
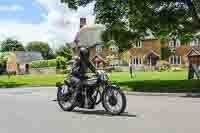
point(61, 63)
point(43, 63)
point(124, 62)
point(163, 66)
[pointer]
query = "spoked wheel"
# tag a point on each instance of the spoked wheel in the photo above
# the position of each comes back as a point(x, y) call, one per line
point(114, 101)
point(64, 97)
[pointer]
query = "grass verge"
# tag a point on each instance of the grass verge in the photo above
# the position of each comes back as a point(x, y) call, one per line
point(170, 82)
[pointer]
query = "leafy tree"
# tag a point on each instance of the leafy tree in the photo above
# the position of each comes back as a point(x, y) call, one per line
point(64, 51)
point(3, 60)
point(127, 20)
point(11, 45)
point(41, 47)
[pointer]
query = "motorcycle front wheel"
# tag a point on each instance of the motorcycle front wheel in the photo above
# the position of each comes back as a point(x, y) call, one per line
point(64, 98)
point(114, 101)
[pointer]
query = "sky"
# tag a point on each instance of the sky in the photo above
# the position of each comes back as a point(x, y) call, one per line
point(41, 20)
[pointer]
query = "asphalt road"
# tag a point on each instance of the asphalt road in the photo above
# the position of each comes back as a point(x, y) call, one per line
point(32, 110)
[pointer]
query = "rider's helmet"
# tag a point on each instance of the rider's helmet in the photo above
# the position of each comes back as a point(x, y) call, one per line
point(84, 54)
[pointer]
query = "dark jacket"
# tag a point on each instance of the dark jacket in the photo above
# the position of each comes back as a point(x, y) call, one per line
point(79, 69)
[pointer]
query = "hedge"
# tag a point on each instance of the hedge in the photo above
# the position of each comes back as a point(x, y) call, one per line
point(44, 63)
point(162, 86)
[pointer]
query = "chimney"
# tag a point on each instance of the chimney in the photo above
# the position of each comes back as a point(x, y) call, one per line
point(82, 22)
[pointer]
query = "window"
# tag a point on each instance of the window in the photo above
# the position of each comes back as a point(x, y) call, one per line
point(114, 62)
point(136, 60)
point(175, 60)
point(175, 43)
point(137, 44)
point(114, 48)
point(99, 48)
point(194, 42)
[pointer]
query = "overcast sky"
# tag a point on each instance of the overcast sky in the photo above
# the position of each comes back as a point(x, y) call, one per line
point(41, 20)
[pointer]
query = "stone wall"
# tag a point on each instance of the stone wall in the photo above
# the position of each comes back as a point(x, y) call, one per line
point(40, 71)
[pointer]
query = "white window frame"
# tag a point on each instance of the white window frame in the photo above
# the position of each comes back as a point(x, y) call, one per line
point(175, 60)
point(138, 44)
point(194, 42)
point(115, 62)
point(99, 49)
point(136, 60)
point(178, 43)
point(114, 48)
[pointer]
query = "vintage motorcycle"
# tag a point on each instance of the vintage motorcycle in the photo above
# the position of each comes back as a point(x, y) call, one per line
point(95, 90)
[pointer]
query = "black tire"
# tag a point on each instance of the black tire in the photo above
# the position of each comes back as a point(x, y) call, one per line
point(60, 101)
point(123, 98)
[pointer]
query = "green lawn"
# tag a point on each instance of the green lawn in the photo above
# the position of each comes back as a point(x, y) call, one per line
point(157, 82)
point(30, 80)
point(144, 81)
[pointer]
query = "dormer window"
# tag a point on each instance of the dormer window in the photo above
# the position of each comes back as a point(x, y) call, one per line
point(114, 48)
point(99, 48)
point(137, 44)
point(194, 42)
point(175, 43)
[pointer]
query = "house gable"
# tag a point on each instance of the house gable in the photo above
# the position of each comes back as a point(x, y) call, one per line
point(193, 52)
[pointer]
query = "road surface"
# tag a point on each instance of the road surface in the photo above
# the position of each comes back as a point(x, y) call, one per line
point(32, 110)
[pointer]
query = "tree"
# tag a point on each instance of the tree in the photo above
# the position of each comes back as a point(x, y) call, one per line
point(11, 45)
point(65, 51)
point(3, 61)
point(127, 20)
point(41, 47)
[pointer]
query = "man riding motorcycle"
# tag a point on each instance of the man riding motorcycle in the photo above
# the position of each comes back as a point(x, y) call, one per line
point(78, 71)
point(83, 92)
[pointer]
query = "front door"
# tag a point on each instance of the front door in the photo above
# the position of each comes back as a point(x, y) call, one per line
point(152, 61)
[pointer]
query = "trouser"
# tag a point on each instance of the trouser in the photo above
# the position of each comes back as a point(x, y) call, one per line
point(76, 82)
point(78, 86)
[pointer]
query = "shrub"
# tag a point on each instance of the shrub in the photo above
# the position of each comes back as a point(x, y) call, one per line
point(88, 71)
point(61, 63)
point(163, 65)
point(43, 63)
point(124, 62)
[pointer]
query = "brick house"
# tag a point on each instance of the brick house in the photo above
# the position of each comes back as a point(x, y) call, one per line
point(148, 52)
point(144, 52)
point(19, 62)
